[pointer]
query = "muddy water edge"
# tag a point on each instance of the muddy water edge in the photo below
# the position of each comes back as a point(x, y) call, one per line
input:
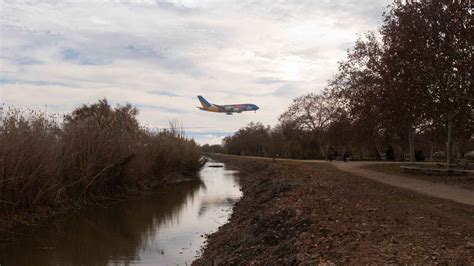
point(166, 227)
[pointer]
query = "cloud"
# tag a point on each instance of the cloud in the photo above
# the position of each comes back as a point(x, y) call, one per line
point(209, 137)
point(24, 60)
point(34, 82)
point(167, 109)
point(269, 80)
point(158, 55)
point(77, 57)
point(164, 93)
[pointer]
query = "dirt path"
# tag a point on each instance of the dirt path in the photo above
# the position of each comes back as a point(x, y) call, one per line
point(438, 190)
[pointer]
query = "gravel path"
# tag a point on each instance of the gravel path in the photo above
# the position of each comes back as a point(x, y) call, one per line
point(438, 190)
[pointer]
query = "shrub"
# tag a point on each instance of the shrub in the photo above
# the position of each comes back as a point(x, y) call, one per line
point(419, 155)
point(390, 153)
point(97, 151)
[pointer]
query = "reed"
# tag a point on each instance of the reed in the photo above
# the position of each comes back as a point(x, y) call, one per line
point(95, 152)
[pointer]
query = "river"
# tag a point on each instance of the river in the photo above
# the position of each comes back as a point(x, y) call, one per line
point(166, 227)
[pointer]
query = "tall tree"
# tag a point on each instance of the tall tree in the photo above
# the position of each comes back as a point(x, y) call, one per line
point(404, 62)
point(451, 42)
point(358, 84)
point(252, 139)
point(311, 113)
point(419, 76)
point(428, 56)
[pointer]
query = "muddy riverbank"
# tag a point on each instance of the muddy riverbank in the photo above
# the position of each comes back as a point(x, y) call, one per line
point(18, 223)
point(164, 227)
point(294, 213)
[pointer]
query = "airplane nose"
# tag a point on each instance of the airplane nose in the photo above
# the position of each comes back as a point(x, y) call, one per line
point(256, 107)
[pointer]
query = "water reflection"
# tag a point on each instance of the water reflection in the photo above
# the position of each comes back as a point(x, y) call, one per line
point(164, 228)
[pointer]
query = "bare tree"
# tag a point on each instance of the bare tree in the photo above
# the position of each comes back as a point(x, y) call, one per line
point(310, 112)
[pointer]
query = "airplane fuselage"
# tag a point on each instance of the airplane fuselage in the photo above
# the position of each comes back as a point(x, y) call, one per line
point(228, 108)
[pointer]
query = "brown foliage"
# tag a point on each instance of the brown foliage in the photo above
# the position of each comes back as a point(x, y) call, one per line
point(414, 77)
point(97, 152)
point(419, 76)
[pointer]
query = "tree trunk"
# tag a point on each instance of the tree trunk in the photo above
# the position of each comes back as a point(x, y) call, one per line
point(322, 151)
point(401, 155)
point(376, 150)
point(411, 140)
point(431, 151)
point(456, 150)
point(449, 143)
point(4, 172)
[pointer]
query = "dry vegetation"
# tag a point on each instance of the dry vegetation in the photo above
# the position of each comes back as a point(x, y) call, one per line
point(95, 153)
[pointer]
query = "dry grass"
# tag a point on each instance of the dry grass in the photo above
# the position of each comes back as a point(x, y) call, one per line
point(94, 153)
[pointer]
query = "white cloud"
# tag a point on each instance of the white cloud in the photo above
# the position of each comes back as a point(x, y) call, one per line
point(160, 55)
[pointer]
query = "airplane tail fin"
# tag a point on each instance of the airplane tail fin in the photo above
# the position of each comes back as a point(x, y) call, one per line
point(203, 101)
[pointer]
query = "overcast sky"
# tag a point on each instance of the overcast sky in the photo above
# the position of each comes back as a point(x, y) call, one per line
point(159, 55)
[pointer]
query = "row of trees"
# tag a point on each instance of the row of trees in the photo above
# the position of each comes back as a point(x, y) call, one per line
point(413, 80)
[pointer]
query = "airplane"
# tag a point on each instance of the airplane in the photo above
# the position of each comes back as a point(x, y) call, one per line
point(228, 109)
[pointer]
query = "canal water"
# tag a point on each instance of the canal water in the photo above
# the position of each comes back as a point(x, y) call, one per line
point(164, 228)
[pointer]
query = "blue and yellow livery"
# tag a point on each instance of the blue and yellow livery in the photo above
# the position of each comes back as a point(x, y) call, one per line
point(228, 109)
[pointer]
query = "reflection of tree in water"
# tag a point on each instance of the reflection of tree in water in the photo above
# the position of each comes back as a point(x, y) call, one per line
point(103, 235)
